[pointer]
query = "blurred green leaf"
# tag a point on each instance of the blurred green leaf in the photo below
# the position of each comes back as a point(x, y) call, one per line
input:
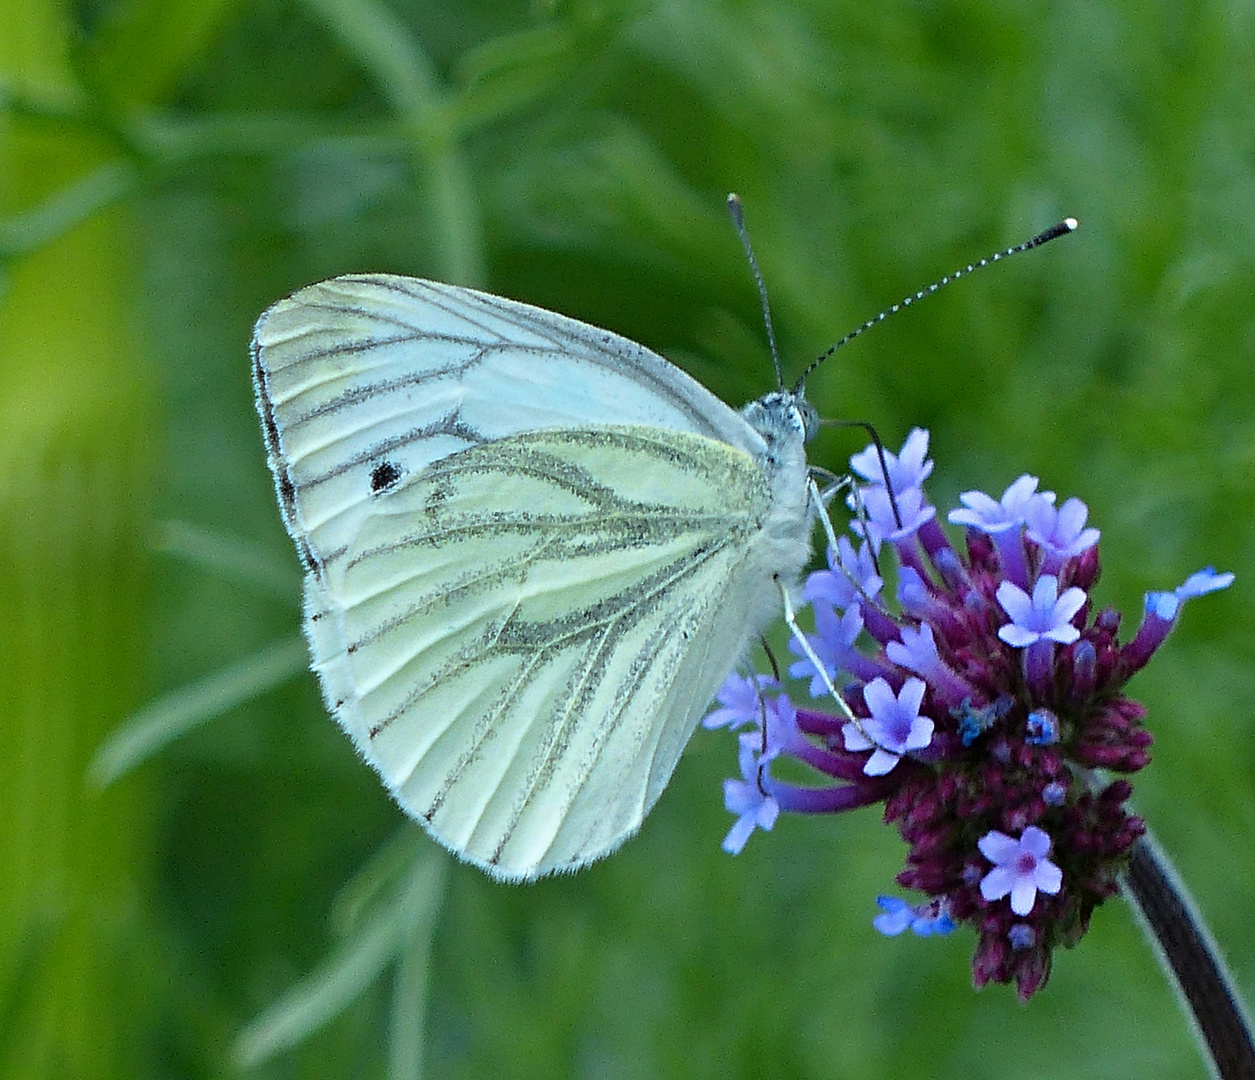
point(374, 35)
point(377, 37)
point(357, 898)
point(513, 71)
point(172, 716)
point(406, 916)
point(143, 48)
point(72, 205)
point(230, 558)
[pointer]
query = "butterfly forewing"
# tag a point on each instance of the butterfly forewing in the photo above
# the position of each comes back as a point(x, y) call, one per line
point(361, 370)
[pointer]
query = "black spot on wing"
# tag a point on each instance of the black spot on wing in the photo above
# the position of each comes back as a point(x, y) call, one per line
point(384, 476)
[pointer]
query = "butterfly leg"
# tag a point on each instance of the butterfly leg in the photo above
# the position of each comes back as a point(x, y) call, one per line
point(790, 618)
point(821, 508)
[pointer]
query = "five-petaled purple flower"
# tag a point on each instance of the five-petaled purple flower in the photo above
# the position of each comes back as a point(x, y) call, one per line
point(985, 709)
point(1020, 868)
point(894, 727)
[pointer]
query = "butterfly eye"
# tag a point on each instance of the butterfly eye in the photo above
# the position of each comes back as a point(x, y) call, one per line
point(810, 418)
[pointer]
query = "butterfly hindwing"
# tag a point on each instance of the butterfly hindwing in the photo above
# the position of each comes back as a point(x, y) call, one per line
point(521, 638)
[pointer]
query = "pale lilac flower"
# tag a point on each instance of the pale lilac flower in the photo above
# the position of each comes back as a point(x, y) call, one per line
point(881, 523)
point(1044, 616)
point(1165, 605)
point(741, 701)
point(850, 577)
point(755, 809)
point(781, 735)
point(932, 919)
point(907, 469)
point(913, 593)
point(917, 652)
point(897, 916)
point(923, 920)
point(983, 513)
point(1162, 609)
point(1003, 520)
point(1202, 583)
point(1020, 868)
point(1060, 532)
point(832, 642)
point(894, 727)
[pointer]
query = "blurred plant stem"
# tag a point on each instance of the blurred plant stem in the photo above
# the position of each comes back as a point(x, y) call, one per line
point(1191, 960)
point(381, 43)
point(76, 410)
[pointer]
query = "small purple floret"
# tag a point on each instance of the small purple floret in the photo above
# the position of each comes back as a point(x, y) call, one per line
point(755, 809)
point(894, 727)
point(907, 469)
point(740, 701)
point(1020, 868)
point(923, 920)
point(1044, 615)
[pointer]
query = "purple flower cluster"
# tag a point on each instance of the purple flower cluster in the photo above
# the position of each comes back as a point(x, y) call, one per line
point(985, 709)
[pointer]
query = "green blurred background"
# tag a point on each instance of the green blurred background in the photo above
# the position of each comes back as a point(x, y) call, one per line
point(243, 899)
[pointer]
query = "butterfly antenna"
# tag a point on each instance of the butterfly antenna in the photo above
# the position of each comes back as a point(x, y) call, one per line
point(737, 213)
point(1064, 227)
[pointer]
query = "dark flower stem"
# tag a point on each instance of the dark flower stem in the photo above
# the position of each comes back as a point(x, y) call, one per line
point(1187, 951)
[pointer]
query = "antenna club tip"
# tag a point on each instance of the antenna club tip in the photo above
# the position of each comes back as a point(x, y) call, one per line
point(735, 209)
point(1071, 224)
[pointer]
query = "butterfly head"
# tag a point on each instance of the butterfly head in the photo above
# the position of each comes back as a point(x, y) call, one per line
point(782, 416)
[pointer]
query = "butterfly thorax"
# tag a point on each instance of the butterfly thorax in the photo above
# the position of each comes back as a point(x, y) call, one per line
point(785, 421)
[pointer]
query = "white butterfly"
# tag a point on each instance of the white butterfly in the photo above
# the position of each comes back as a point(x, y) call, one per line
point(534, 551)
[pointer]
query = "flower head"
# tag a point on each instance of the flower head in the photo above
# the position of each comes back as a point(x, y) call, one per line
point(987, 712)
